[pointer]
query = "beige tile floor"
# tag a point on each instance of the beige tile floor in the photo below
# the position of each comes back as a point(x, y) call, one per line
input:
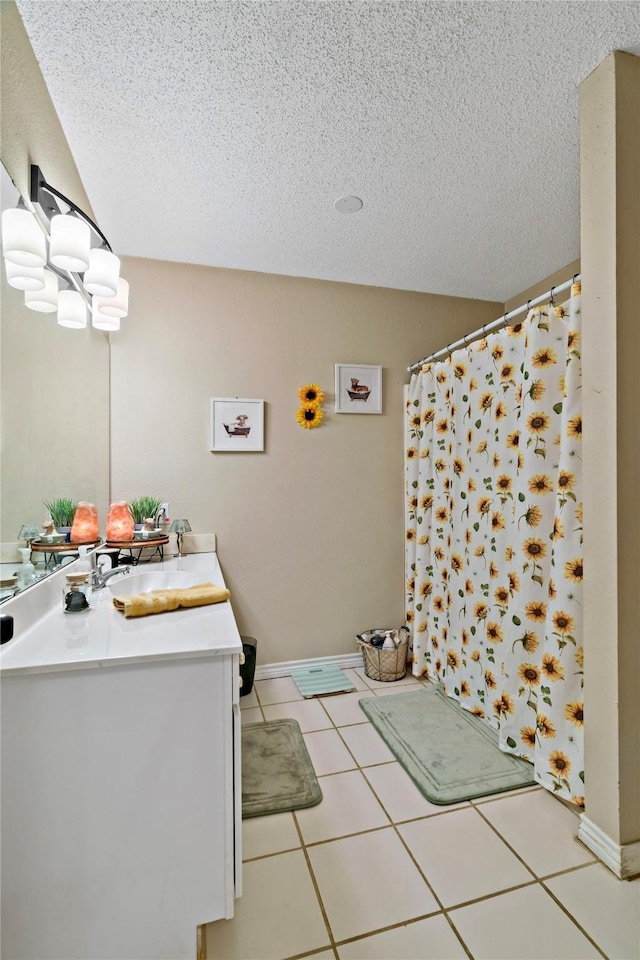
point(376, 872)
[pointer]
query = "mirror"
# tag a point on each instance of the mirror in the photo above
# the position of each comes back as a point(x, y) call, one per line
point(54, 392)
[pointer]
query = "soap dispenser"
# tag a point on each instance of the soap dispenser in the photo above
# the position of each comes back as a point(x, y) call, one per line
point(84, 564)
point(27, 572)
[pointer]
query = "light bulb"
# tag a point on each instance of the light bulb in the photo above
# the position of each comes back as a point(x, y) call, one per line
point(22, 239)
point(45, 300)
point(101, 279)
point(69, 244)
point(72, 310)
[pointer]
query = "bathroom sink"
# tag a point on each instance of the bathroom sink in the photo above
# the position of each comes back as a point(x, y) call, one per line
point(156, 580)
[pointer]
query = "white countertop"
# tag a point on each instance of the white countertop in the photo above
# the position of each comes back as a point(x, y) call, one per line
point(101, 636)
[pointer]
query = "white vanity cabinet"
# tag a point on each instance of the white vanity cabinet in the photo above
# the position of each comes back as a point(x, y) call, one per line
point(121, 796)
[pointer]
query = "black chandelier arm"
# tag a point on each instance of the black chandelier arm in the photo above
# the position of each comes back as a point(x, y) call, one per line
point(39, 183)
point(76, 209)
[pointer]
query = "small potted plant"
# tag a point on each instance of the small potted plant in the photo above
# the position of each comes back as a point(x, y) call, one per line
point(142, 508)
point(62, 511)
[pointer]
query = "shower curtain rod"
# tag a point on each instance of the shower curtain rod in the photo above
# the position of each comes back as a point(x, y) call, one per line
point(489, 327)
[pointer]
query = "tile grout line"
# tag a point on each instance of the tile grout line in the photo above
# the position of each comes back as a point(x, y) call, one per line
point(513, 792)
point(445, 911)
point(442, 911)
point(377, 830)
point(457, 933)
point(342, 836)
point(562, 873)
point(312, 953)
point(515, 852)
point(266, 856)
point(593, 943)
point(540, 883)
point(418, 867)
point(404, 844)
point(506, 843)
point(255, 689)
point(307, 858)
point(348, 748)
point(392, 926)
point(490, 896)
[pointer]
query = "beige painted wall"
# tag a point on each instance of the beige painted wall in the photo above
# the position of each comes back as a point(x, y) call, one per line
point(610, 248)
point(54, 382)
point(542, 286)
point(310, 531)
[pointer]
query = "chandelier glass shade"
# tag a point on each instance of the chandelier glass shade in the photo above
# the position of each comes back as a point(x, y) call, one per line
point(101, 279)
point(72, 310)
point(24, 278)
point(117, 306)
point(100, 321)
point(23, 241)
point(70, 243)
point(45, 300)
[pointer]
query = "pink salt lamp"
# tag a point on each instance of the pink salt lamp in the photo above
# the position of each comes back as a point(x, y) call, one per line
point(120, 524)
point(85, 523)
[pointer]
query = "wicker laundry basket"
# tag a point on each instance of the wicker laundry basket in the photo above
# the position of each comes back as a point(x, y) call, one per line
point(384, 665)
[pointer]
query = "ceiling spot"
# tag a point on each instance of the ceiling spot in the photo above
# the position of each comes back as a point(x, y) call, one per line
point(348, 204)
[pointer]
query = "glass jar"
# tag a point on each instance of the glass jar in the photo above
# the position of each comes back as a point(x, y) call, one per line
point(76, 593)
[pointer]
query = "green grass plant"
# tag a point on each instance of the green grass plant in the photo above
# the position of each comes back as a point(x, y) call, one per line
point(144, 507)
point(61, 511)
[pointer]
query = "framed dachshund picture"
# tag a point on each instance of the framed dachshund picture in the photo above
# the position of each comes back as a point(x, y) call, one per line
point(358, 388)
point(236, 425)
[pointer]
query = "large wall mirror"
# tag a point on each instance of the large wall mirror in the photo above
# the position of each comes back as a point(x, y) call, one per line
point(54, 390)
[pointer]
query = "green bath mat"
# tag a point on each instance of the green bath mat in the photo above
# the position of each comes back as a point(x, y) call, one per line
point(277, 773)
point(449, 754)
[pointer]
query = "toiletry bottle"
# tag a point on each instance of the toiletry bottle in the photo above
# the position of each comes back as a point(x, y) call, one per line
point(389, 642)
point(27, 571)
point(83, 565)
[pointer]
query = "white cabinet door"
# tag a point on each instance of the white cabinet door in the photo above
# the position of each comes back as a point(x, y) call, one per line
point(118, 809)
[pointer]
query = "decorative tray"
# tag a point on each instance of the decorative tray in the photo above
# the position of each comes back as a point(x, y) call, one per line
point(53, 544)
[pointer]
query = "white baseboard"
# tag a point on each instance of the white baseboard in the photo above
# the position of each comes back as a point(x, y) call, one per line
point(272, 670)
point(623, 860)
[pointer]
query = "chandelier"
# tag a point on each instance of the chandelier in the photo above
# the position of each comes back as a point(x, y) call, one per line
point(62, 260)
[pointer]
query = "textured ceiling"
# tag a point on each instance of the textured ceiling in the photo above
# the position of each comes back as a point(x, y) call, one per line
point(221, 133)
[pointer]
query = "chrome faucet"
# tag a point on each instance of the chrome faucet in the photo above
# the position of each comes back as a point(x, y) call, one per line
point(99, 578)
point(161, 516)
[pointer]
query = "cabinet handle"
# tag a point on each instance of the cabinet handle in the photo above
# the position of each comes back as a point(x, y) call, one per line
point(240, 681)
point(241, 657)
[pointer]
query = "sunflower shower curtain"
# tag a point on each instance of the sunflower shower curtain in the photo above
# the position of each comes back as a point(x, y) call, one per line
point(494, 536)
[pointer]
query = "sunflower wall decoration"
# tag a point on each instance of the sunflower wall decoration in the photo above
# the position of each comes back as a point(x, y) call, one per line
point(310, 413)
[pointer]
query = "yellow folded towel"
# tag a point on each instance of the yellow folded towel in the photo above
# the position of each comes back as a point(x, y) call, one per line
point(159, 601)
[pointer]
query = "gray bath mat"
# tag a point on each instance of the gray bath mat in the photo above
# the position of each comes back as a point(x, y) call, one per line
point(449, 754)
point(277, 773)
